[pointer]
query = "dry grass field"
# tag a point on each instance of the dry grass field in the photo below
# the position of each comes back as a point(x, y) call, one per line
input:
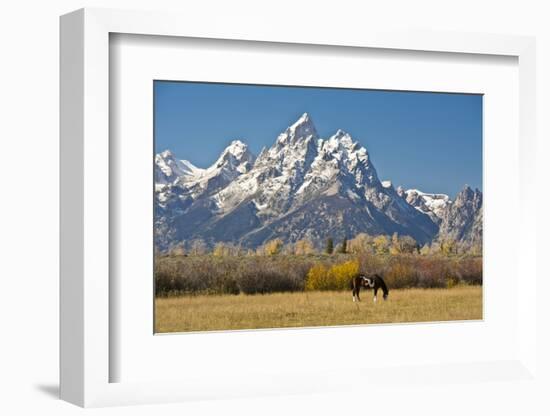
point(306, 309)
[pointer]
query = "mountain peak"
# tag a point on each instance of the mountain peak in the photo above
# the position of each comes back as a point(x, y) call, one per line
point(468, 195)
point(465, 193)
point(237, 148)
point(304, 126)
point(468, 189)
point(235, 158)
point(342, 137)
point(300, 130)
point(341, 142)
point(304, 119)
point(167, 154)
point(463, 220)
point(168, 168)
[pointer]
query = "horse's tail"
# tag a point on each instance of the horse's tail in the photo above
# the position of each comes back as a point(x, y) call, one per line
point(382, 285)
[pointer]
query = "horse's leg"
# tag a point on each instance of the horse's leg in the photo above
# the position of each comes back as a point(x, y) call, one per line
point(358, 290)
point(353, 294)
point(375, 293)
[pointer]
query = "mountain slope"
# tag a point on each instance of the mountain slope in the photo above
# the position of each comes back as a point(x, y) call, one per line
point(168, 169)
point(433, 205)
point(303, 186)
point(463, 219)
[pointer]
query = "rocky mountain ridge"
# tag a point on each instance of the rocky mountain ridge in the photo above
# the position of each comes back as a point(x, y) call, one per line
point(303, 186)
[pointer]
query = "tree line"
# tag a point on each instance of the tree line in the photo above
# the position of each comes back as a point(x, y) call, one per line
point(361, 244)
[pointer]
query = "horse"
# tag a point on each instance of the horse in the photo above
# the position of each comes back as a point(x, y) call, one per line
point(374, 282)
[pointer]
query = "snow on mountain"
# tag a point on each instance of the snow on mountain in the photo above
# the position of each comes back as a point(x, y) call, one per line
point(302, 129)
point(303, 186)
point(235, 160)
point(180, 187)
point(299, 167)
point(433, 205)
point(168, 168)
point(278, 172)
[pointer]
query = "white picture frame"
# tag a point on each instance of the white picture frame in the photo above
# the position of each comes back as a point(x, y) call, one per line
point(86, 356)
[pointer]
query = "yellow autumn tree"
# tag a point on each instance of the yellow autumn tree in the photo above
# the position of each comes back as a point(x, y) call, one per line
point(361, 243)
point(317, 278)
point(425, 250)
point(178, 250)
point(221, 250)
point(381, 244)
point(338, 277)
point(303, 247)
point(395, 247)
point(341, 274)
point(273, 247)
point(448, 247)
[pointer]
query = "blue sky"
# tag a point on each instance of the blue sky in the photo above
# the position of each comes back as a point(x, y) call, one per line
point(429, 141)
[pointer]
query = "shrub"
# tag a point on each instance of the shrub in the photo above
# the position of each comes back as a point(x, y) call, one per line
point(240, 273)
point(340, 275)
point(260, 276)
point(449, 247)
point(337, 277)
point(317, 278)
point(470, 270)
point(401, 274)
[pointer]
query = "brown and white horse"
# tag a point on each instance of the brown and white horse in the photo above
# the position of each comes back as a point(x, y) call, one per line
point(374, 282)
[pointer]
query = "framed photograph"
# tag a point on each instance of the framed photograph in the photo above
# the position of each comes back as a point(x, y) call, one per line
point(284, 229)
point(288, 213)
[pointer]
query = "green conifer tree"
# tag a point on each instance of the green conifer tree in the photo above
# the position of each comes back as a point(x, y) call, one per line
point(329, 248)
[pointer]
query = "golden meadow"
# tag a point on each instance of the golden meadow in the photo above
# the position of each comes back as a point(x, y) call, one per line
point(299, 285)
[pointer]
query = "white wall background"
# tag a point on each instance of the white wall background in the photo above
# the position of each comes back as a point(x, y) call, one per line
point(29, 183)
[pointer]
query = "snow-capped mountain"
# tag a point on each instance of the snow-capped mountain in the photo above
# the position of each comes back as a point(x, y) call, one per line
point(303, 186)
point(433, 205)
point(168, 169)
point(234, 160)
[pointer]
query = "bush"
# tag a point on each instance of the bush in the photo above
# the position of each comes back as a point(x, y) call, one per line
point(470, 270)
point(401, 274)
point(338, 277)
point(259, 276)
point(239, 273)
point(317, 278)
